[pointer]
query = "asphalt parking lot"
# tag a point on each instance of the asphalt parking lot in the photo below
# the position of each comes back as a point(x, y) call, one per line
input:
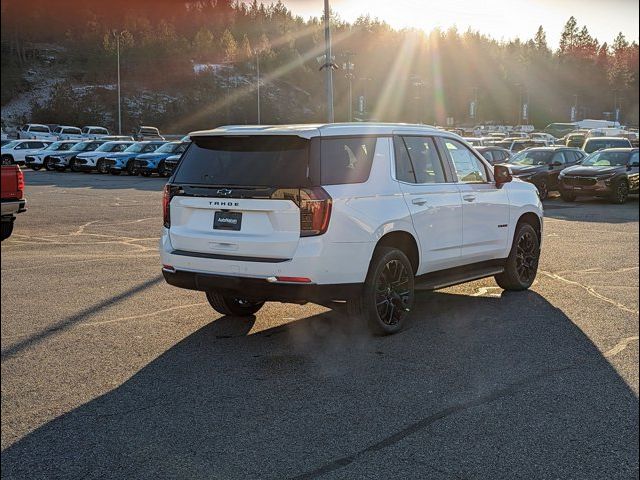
point(107, 372)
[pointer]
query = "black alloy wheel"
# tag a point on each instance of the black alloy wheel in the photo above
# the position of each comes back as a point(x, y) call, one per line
point(621, 192)
point(543, 190)
point(393, 293)
point(527, 257)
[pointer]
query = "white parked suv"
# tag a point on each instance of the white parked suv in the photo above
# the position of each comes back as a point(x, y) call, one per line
point(16, 151)
point(361, 213)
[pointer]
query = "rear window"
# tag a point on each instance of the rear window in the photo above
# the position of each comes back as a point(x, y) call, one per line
point(277, 161)
point(593, 145)
point(261, 161)
point(39, 129)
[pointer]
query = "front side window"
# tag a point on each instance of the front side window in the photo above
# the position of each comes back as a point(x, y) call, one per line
point(488, 154)
point(559, 158)
point(152, 147)
point(633, 161)
point(468, 167)
point(418, 160)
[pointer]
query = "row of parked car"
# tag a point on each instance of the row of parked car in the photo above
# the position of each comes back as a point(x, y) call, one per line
point(610, 171)
point(38, 131)
point(105, 155)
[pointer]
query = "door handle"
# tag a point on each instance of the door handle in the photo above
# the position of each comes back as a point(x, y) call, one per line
point(469, 198)
point(419, 201)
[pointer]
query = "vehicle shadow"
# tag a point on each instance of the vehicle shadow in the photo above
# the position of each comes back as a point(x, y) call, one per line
point(477, 387)
point(586, 209)
point(93, 180)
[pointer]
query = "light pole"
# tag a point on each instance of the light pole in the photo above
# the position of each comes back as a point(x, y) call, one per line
point(117, 36)
point(328, 65)
point(258, 82)
point(349, 68)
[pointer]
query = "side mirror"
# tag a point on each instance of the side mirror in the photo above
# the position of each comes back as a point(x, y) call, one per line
point(502, 175)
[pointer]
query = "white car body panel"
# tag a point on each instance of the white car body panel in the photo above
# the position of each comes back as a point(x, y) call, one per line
point(20, 154)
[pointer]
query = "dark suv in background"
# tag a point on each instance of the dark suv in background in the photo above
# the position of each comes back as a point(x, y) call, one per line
point(542, 166)
point(611, 173)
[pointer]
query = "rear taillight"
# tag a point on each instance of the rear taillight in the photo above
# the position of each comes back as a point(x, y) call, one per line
point(315, 211)
point(20, 179)
point(167, 194)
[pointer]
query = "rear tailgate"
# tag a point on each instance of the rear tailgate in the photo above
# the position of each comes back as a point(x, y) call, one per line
point(238, 196)
point(10, 182)
point(268, 229)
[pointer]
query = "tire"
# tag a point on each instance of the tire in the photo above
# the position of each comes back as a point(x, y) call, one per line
point(522, 264)
point(100, 168)
point(35, 168)
point(162, 171)
point(567, 196)
point(543, 189)
point(229, 305)
point(48, 166)
point(6, 230)
point(73, 167)
point(388, 292)
point(60, 169)
point(145, 174)
point(620, 193)
point(7, 160)
point(131, 169)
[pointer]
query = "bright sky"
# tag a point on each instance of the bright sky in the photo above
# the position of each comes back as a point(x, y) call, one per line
point(501, 19)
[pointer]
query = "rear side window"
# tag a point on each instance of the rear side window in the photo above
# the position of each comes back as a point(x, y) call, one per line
point(39, 129)
point(346, 160)
point(417, 160)
point(260, 161)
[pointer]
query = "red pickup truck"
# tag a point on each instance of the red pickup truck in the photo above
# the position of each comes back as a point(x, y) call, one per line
point(13, 201)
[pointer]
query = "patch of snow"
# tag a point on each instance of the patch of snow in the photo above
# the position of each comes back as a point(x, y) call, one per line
point(202, 68)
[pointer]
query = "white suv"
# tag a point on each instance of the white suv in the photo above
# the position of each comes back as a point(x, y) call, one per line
point(355, 212)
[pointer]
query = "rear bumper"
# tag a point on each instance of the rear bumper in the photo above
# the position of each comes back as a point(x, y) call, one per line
point(12, 207)
point(260, 288)
point(336, 266)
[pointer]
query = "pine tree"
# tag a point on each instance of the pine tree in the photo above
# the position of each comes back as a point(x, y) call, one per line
point(229, 46)
point(568, 36)
point(245, 48)
point(540, 40)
